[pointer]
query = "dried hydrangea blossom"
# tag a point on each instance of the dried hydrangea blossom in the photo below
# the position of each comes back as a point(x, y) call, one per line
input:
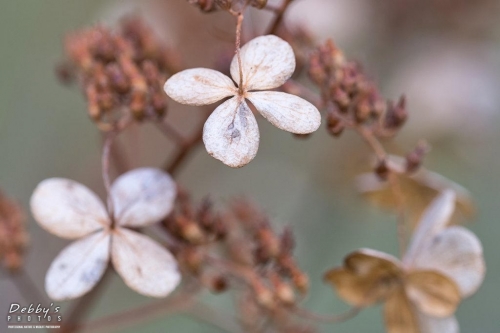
point(70, 210)
point(13, 235)
point(442, 266)
point(231, 134)
point(419, 189)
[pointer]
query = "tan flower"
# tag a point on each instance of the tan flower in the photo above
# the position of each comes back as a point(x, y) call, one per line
point(231, 134)
point(420, 188)
point(70, 210)
point(442, 266)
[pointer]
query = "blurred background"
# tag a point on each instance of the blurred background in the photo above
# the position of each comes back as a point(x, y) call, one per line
point(444, 55)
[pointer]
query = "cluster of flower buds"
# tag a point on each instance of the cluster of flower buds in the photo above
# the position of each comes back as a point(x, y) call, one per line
point(121, 72)
point(13, 235)
point(350, 97)
point(213, 5)
point(275, 277)
point(195, 229)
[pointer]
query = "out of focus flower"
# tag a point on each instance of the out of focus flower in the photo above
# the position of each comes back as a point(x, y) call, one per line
point(70, 210)
point(420, 188)
point(231, 134)
point(442, 266)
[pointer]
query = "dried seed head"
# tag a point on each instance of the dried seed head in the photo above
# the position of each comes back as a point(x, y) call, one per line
point(121, 72)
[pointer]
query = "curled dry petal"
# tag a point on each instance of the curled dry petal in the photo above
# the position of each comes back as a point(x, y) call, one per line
point(367, 277)
point(142, 196)
point(67, 209)
point(433, 293)
point(429, 324)
point(433, 220)
point(399, 314)
point(144, 265)
point(287, 112)
point(457, 253)
point(420, 189)
point(78, 267)
point(266, 61)
point(199, 86)
point(231, 134)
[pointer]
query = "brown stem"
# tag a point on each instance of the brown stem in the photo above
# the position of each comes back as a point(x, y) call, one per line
point(280, 13)
point(81, 307)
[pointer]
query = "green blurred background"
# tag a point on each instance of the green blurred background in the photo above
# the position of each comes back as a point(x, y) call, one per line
point(444, 55)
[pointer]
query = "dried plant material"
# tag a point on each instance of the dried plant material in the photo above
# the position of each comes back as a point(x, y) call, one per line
point(141, 197)
point(399, 314)
point(144, 265)
point(121, 72)
point(231, 134)
point(442, 266)
point(13, 234)
point(419, 188)
point(78, 267)
point(56, 201)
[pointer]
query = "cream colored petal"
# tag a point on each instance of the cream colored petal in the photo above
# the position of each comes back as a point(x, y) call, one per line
point(430, 324)
point(367, 277)
point(231, 134)
point(144, 265)
point(67, 209)
point(143, 196)
point(433, 220)
point(267, 62)
point(400, 315)
point(433, 293)
point(199, 86)
point(78, 267)
point(457, 253)
point(287, 112)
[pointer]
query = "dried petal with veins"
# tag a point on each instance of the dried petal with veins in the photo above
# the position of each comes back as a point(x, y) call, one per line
point(231, 133)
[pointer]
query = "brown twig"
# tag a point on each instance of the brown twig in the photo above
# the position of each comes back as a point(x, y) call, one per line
point(280, 13)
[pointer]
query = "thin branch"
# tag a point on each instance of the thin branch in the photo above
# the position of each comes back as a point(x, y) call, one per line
point(280, 13)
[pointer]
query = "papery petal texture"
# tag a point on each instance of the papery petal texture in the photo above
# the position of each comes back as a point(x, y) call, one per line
point(400, 314)
point(142, 196)
point(267, 62)
point(367, 277)
point(67, 208)
point(78, 267)
point(143, 264)
point(433, 293)
point(287, 112)
point(231, 133)
point(199, 86)
point(434, 219)
point(457, 253)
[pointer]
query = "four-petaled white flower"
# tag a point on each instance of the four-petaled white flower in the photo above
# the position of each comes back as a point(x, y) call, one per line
point(70, 210)
point(231, 133)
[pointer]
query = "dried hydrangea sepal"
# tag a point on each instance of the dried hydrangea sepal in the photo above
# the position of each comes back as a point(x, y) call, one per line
point(231, 133)
point(199, 86)
point(142, 196)
point(67, 208)
point(143, 264)
point(287, 112)
point(266, 62)
point(78, 267)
